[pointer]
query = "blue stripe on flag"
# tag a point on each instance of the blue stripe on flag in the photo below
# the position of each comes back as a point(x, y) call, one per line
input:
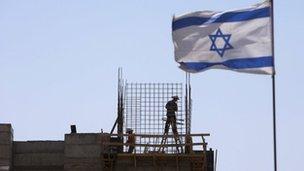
point(243, 63)
point(225, 17)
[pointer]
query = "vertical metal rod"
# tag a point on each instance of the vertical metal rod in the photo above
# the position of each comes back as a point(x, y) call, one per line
point(119, 125)
point(274, 123)
point(118, 99)
point(273, 90)
point(186, 104)
point(215, 163)
point(189, 104)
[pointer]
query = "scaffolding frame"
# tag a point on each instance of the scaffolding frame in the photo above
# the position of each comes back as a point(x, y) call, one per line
point(198, 160)
point(141, 107)
point(145, 113)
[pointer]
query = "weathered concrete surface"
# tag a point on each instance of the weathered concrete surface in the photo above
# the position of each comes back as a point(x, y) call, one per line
point(6, 147)
point(21, 147)
point(83, 151)
point(42, 155)
point(39, 159)
point(5, 137)
point(29, 155)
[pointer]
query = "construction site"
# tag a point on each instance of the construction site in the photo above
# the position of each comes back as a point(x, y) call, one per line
point(144, 137)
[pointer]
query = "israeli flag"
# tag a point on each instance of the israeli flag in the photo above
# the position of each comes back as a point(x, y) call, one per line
point(238, 40)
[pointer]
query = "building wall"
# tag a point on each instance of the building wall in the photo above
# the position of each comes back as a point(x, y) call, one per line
point(82, 151)
point(45, 155)
point(78, 152)
point(6, 147)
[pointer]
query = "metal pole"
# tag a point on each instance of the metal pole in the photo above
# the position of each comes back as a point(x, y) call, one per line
point(215, 162)
point(274, 124)
point(186, 104)
point(189, 104)
point(273, 91)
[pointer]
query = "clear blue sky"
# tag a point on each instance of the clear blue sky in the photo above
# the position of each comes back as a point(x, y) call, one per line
point(59, 60)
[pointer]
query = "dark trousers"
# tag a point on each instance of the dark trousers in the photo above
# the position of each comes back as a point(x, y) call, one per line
point(171, 120)
point(131, 148)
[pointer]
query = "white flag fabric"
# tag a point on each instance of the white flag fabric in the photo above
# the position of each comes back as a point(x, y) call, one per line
point(238, 40)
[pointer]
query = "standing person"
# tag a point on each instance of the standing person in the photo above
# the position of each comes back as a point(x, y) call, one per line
point(171, 107)
point(131, 140)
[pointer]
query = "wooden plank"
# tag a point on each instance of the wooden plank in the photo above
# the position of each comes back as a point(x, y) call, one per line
point(153, 145)
point(147, 136)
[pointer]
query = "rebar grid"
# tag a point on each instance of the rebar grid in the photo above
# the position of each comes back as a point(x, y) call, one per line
point(145, 113)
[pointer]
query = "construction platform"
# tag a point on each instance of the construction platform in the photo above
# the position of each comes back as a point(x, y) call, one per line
point(98, 151)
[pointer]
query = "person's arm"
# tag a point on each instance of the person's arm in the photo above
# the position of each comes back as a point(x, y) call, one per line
point(128, 141)
point(167, 105)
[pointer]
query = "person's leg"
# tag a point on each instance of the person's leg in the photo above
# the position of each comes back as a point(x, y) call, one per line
point(174, 127)
point(167, 125)
point(131, 148)
point(175, 133)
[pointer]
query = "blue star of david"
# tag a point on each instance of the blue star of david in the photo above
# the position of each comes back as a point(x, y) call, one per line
point(225, 37)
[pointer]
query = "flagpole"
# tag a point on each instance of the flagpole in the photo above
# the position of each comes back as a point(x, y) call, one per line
point(274, 124)
point(273, 92)
point(186, 104)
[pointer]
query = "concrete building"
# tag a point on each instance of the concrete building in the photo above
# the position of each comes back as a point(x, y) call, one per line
point(90, 151)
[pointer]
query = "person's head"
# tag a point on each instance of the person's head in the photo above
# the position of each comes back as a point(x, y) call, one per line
point(175, 98)
point(129, 131)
